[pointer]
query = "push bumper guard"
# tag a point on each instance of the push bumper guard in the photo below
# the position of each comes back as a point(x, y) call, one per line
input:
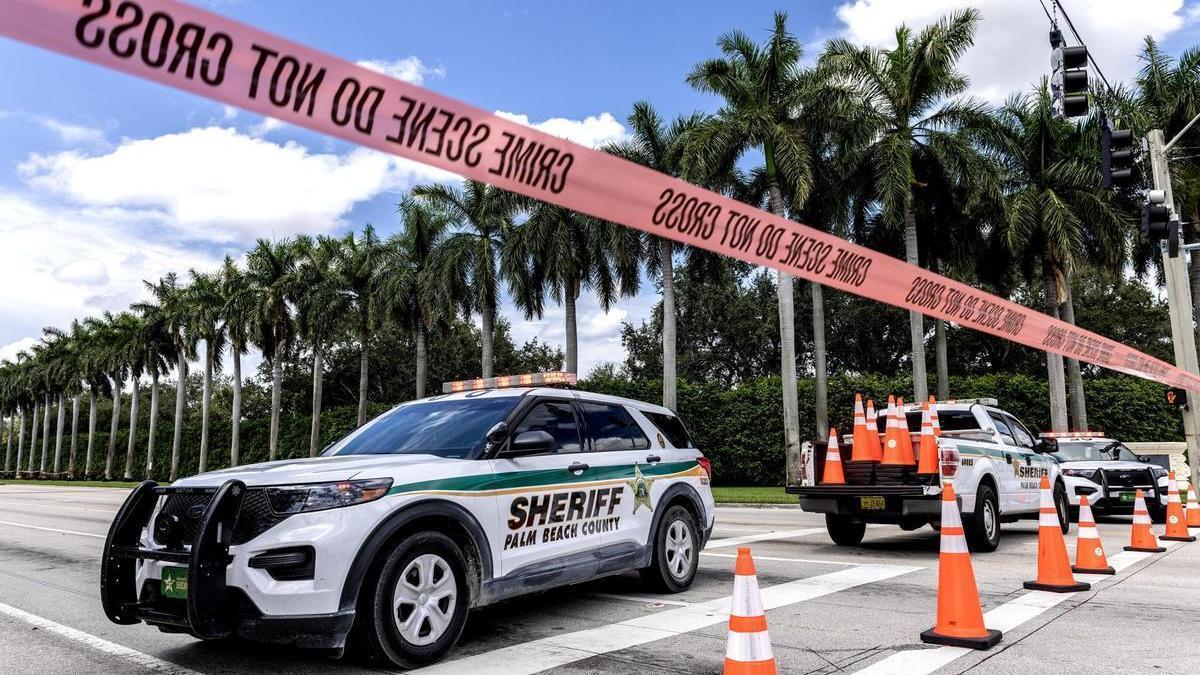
point(1110, 494)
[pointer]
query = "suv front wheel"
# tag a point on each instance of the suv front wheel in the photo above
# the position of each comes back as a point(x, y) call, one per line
point(676, 552)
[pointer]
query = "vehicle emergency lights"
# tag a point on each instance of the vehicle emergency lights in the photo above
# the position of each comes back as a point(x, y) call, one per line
point(554, 379)
point(957, 401)
point(1071, 434)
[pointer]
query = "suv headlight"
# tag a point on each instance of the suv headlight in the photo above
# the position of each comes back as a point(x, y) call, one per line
point(289, 499)
point(1090, 474)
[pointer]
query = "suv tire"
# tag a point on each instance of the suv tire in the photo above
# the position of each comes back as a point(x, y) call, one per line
point(676, 553)
point(983, 527)
point(844, 530)
point(415, 609)
point(1063, 506)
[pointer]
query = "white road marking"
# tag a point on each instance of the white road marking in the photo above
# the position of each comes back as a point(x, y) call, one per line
point(52, 529)
point(845, 563)
point(99, 644)
point(559, 650)
point(764, 536)
point(40, 504)
point(645, 600)
point(1004, 618)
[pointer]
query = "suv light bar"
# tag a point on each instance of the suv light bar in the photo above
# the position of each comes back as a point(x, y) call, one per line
point(1071, 434)
point(955, 401)
point(554, 379)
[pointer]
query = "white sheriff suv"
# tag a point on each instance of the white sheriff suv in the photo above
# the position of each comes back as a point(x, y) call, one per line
point(494, 489)
point(994, 462)
point(1108, 472)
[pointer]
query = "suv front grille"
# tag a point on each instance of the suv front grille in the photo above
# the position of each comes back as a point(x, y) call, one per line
point(255, 517)
point(1128, 478)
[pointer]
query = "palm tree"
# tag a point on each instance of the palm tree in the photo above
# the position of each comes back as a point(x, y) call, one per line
point(138, 358)
point(205, 305)
point(159, 354)
point(1056, 216)
point(111, 340)
point(482, 217)
point(91, 365)
point(59, 377)
point(169, 305)
point(237, 313)
point(321, 305)
point(356, 266)
point(909, 97)
point(271, 271)
point(762, 89)
point(413, 298)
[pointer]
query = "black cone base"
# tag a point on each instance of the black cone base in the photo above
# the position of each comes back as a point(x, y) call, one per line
point(987, 642)
point(1145, 550)
point(1188, 538)
point(1084, 570)
point(1057, 588)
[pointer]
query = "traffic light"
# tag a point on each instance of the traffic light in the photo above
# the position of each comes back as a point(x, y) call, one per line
point(1069, 78)
point(1116, 148)
point(1157, 224)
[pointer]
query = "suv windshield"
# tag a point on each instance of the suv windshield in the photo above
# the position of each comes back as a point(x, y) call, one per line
point(1077, 451)
point(451, 429)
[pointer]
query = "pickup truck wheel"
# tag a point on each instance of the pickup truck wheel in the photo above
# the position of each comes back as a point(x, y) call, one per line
point(845, 531)
point(983, 527)
point(1063, 506)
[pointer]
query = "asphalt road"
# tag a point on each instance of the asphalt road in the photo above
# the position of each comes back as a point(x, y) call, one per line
point(830, 609)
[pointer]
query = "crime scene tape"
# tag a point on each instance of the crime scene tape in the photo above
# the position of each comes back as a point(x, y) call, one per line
point(203, 53)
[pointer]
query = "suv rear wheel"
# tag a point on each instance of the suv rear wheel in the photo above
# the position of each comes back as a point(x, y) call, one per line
point(676, 552)
point(844, 530)
point(983, 527)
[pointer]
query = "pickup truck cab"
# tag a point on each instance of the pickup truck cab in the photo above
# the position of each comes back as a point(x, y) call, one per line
point(991, 458)
point(1108, 472)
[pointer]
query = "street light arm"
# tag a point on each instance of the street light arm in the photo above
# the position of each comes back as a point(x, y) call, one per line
point(1168, 146)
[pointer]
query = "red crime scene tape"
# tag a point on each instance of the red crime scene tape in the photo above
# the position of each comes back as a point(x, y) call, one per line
point(203, 53)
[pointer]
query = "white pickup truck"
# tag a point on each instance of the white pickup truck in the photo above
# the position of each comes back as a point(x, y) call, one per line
point(993, 461)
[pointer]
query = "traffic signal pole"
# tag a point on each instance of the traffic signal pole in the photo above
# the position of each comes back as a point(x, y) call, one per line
point(1179, 300)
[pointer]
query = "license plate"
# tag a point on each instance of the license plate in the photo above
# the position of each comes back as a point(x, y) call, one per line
point(175, 582)
point(1128, 496)
point(872, 503)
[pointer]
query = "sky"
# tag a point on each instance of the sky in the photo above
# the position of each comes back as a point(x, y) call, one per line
point(107, 180)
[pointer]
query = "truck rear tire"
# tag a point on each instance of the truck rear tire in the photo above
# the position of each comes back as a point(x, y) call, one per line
point(983, 527)
point(845, 531)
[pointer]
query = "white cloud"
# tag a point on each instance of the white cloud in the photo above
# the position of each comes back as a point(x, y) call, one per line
point(592, 131)
point(410, 69)
point(72, 134)
point(1012, 50)
point(10, 351)
point(228, 112)
point(266, 126)
point(83, 271)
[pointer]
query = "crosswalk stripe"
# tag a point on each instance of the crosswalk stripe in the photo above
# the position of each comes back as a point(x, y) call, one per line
point(51, 529)
point(764, 536)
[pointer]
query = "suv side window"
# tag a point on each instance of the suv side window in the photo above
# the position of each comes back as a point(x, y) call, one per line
point(612, 427)
point(1006, 434)
point(557, 419)
point(671, 427)
point(1020, 433)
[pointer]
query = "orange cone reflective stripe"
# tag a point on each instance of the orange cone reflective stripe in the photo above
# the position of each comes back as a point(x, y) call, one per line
point(748, 650)
point(1141, 537)
point(933, 418)
point(959, 614)
point(833, 462)
point(1054, 566)
point(1089, 551)
point(862, 450)
point(928, 463)
point(894, 438)
point(1193, 508)
point(874, 446)
point(1177, 529)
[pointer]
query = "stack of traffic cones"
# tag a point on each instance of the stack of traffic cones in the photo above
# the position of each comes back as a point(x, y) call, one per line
point(897, 445)
point(1177, 529)
point(874, 445)
point(959, 614)
point(933, 417)
point(866, 442)
point(1193, 508)
point(1089, 551)
point(833, 474)
point(748, 651)
point(1141, 537)
point(1054, 567)
point(928, 456)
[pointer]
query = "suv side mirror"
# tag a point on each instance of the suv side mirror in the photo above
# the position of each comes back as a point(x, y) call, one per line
point(529, 443)
point(1043, 446)
point(1143, 459)
point(498, 433)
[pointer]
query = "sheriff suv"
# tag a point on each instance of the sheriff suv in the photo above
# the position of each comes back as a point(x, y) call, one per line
point(993, 461)
point(1108, 472)
point(494, 489)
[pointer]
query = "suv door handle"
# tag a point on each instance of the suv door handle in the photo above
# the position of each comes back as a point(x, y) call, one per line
point(653, 459)
point(577, 467)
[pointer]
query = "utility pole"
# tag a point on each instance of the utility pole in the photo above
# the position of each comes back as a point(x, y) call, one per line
point(1179, 300)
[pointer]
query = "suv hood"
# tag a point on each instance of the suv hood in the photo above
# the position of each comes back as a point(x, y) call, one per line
point(315, 470)
point(1105, 464)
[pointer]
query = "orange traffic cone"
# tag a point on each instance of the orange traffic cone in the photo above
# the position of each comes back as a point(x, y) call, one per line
point(894, 437)
point(833, 462)
point(959, 614)
point(1089, 551)
point(1177, 529)
point(933, 418)
point(1142, 538)
point(874, 447)
point(861, 452)
point(1193, 508)
point(928, 463)
point(1054, 567)
point(748, 651)
point(906, 445)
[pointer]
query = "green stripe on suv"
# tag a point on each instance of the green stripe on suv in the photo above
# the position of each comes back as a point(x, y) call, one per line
point(556, 476)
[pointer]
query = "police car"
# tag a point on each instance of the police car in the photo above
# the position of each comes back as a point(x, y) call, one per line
point(494, 489)
point(1108, 472)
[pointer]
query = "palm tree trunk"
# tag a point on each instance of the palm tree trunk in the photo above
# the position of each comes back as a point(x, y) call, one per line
point(8, 452)
point(1194, 272)
point(236, 417)
point(942, 360)
point(74, 433)
point(181, 369)
point(33, 436)
point(58, 438)
point(487, 320)
point(916, 321)
point(314, 437)
point(365, 339)
point(276, 394)
point(153, 436)
point(87, 461)
point(820, 365)
point(131, 445)
point(1075, 395)
point(422, 340)
point(570, 295)
point(670, 384)
point(787, 345)
point(114, 427)
point(1054, 362)
point(205, 403)
point(20, 442)
point(45, 436)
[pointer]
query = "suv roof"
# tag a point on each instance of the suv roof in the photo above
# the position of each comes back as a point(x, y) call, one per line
point(556, 392)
